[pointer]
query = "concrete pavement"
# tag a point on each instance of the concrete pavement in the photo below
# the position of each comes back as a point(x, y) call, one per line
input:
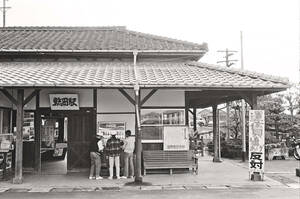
point(226, 175)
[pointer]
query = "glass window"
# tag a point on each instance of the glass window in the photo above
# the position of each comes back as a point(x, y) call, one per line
point(152, 133)
point(154, 120)
point(151, 117)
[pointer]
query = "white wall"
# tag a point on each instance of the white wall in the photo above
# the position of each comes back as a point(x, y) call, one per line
point(4, 102)
point(85, 96)
point(111, 100)
point(164, 97)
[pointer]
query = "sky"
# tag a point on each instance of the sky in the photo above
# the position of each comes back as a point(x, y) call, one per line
point(270, 27)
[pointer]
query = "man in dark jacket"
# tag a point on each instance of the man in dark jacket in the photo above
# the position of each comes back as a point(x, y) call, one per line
point(113, 148)
point(96, 152)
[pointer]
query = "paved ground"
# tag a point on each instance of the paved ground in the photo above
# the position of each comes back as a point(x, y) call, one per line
point(279, 170)
point(166, 194)
point(226, 178)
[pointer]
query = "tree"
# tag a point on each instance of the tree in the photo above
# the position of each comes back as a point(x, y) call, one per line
point(274, 112)
point(292, 100)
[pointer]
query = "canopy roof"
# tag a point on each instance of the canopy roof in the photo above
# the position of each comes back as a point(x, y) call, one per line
point(121, 75)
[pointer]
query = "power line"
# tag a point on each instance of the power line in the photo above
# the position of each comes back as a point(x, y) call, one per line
point(4, 8)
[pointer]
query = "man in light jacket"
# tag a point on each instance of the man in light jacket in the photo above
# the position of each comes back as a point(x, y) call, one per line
point(128, 147)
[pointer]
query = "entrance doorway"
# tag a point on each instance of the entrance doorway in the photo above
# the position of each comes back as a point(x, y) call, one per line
point(65, 140)
point(54, 137)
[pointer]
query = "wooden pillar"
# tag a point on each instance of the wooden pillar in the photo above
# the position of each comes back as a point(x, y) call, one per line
point(19, 139)
point(195, 118)
point(37, 135)
point(216, 134)
point(254, 101)
point(138, 141)
point(95, 104)
point(187, 107)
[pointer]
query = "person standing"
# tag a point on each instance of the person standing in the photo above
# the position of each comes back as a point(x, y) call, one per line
point(96, 152)
point(128, 147)
point(113, 148)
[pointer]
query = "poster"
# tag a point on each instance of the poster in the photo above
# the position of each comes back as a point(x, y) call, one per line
point(176, 138)
point(256, 142)
point(106, 128)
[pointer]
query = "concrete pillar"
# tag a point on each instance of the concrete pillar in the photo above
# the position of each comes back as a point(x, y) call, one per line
point(216, 134)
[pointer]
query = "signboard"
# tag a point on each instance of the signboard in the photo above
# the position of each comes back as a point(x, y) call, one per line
point(106, 128)
point(256, 142)
point(64, 101)
point(176, 138)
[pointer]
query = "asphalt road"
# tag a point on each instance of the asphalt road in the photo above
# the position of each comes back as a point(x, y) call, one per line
point(168, 194)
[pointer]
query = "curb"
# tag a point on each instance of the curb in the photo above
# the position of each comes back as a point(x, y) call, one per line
point(136, 188)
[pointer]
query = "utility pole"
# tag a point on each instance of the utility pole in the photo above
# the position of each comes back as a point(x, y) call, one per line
point(244, 154)
point(228, 63)
point(4, 8)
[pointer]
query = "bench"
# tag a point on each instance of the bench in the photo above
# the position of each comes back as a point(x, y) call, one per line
point(169, 160)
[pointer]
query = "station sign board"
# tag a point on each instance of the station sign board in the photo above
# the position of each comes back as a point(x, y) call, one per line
point(64, 101)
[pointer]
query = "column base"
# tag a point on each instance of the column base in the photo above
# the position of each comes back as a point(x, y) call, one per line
point(17, 180)
point(256, 177)
point(138, 179)
point(217, 160)
point(244, 156)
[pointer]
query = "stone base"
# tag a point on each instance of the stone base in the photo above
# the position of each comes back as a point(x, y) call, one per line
point(256, 177)
point(217, 160)
point(298, 172)
point(17, 180)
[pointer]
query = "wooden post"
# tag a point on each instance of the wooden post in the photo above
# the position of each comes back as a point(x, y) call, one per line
point(195, 119)
point(254, 102)
point(216, 134)
point(37, 135)
point(19, 139)
point(138, 142)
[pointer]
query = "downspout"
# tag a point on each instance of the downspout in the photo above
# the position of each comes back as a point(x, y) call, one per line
point(138, 144)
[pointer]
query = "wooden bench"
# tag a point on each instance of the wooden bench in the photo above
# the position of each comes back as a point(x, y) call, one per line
point(169, 160)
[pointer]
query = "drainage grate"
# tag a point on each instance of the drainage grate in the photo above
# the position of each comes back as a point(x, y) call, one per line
point(62, 190)
point(111, 188)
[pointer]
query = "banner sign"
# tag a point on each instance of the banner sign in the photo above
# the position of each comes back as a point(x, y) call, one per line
point(107, 128)
point(256, 142)
point(176, 138)
point(64, 101)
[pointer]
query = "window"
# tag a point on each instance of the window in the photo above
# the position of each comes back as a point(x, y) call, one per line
point(153, 121)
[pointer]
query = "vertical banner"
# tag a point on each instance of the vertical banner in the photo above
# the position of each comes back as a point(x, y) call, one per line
point(256, 142)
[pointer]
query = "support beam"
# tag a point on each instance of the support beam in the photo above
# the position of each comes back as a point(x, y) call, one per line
point(37, 135)
point(150, 94)
point(9, 96)
point(132, 101)
point(216, 134)
point(32, 95)
point(18, 179)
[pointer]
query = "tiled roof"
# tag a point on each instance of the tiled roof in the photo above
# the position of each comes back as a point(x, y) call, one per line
point(88, 39)
point(121, 74)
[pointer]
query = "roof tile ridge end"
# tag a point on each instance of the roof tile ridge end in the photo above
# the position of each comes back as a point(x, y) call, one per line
point(253, 74)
